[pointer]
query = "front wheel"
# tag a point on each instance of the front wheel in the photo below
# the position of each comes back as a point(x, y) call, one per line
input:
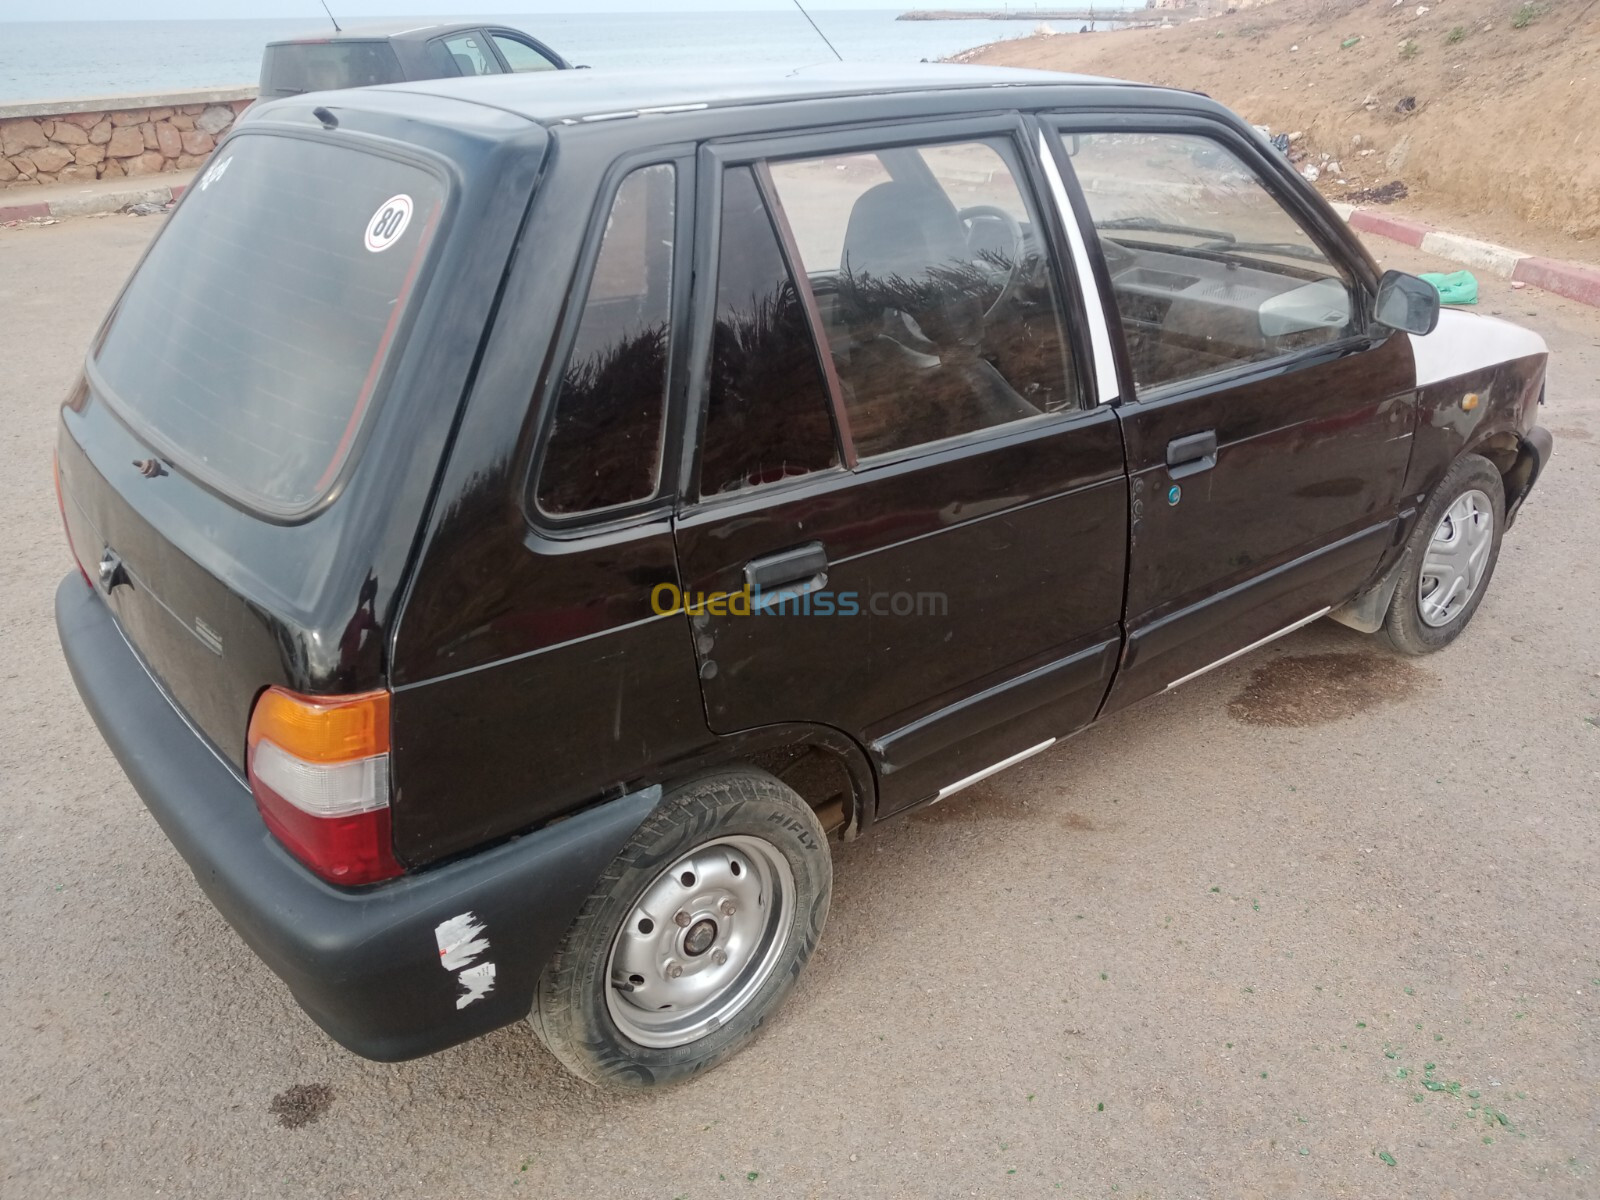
point(1449, 560)
point(692, 937)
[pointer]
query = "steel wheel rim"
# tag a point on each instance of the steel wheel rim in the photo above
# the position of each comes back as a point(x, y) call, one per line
point(1456, 560)
point(700, 941)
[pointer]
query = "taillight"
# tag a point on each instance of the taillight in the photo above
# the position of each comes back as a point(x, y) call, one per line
point(61, 503)
point(319, 768)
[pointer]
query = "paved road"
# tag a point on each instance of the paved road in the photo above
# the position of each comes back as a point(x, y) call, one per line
point(1197, 951)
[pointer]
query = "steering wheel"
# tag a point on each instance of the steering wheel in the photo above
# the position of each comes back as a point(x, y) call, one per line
point(1019, 248)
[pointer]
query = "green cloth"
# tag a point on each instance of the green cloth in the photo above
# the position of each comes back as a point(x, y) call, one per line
point(1458, 287)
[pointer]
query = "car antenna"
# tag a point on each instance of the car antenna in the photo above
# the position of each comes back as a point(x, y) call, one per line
point(820, 34)
point(331, 17)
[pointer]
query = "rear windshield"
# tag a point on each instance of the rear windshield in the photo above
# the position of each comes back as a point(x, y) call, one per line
point(249, 344)
point(295, 67)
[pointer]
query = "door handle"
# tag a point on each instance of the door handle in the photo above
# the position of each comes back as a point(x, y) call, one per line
point(1191, 455)
point(794, 572)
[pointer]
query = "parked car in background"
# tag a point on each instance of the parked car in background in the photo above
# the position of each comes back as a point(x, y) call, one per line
point(363, 57)
point(522, 524)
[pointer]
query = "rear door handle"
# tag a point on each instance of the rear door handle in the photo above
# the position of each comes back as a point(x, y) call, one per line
point(1193, 454)
point(802, 569)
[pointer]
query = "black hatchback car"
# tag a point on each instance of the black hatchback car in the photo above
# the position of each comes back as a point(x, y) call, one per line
point(520, 524)
point(362, 57)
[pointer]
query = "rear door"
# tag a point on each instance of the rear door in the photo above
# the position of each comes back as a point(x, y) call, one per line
point(908, 514)
point(1268, 427)
point(466, 52)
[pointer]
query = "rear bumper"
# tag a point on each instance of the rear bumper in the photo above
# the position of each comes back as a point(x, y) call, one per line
point(366, 964)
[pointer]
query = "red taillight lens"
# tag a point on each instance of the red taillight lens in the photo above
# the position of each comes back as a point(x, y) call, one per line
point(61, 503)
point(319, 769)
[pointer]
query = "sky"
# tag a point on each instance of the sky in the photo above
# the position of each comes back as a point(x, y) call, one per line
point(121, 10)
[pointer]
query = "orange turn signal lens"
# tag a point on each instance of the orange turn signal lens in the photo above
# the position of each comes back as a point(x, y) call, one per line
point(326, 730)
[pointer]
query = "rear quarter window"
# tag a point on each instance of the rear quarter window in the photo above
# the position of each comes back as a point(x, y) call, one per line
point(250, 345)
point(605, 443)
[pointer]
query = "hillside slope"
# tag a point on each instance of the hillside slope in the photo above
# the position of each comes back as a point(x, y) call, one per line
point(1474, 114)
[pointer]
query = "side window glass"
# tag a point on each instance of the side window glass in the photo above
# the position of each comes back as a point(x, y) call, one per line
point(1209, 270)
point(470, 56)
point(520, 56)
point(933, 279)
point(604, 448)
point(768, 415)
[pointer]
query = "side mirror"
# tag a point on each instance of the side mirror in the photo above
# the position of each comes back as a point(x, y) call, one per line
point(1406, 303)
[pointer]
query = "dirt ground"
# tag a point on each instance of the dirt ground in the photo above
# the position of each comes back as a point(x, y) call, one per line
point(1322, 924)
point(1494, 129)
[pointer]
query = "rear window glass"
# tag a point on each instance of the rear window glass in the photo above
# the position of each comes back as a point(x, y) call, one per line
point(250, 342)
point(297, 67)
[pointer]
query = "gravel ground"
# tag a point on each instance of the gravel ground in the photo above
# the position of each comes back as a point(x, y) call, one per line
point(1320, 924)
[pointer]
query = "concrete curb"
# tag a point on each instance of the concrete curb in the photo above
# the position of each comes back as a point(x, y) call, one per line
point(91, 202)
point(1575, 281)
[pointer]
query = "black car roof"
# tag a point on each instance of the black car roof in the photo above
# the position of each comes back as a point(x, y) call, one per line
point(385, 31)
point(554, 97)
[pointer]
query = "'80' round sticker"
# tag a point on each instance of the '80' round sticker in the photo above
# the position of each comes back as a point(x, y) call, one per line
point(388, 223)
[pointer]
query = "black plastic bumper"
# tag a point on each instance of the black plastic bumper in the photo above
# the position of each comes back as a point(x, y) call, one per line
point(364, 964)
point(1538, 444)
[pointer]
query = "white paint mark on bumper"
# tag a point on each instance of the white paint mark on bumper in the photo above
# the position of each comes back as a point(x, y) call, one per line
point(459, 948)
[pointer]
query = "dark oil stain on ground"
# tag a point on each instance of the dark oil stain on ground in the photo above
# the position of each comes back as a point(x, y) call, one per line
point(301, 1104)
point(1311, 689)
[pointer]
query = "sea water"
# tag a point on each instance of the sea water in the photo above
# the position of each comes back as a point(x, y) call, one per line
point(42, 60)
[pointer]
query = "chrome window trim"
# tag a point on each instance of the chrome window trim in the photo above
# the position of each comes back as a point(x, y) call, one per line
point(1105, 363)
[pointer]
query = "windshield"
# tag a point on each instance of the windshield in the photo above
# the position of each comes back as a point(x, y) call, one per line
point(1190, 195)
point(249, 344)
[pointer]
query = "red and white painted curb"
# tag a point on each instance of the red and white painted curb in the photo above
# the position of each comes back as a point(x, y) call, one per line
point(1575, 281)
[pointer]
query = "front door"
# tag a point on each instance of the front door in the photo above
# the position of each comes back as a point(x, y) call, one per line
point(520, 54)
point(910, 519)
point(1268, 430)
point(465, 53)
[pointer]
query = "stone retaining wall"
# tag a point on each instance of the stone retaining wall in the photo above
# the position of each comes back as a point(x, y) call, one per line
point(72, 140)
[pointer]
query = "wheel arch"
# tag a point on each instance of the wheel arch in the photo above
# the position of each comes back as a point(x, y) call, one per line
point(1508, 454)
point(826, 766)
point(1518, 457)
point(1520, 468)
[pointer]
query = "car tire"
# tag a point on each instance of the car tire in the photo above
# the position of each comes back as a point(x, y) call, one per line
point(1449, 559)
point(727, 882)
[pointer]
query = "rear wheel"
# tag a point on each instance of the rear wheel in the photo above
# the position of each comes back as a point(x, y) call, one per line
point(1449, 560)
point(693, 935)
